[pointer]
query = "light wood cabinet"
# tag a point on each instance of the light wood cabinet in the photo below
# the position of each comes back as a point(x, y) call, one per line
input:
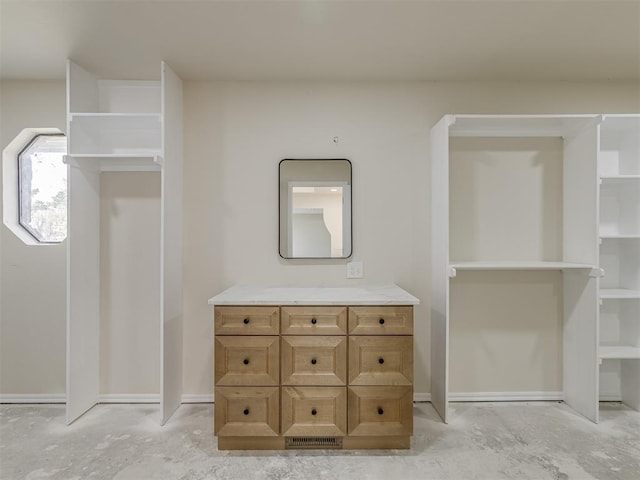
point(247, 411)
point(247, 360)
point(314, 411)
point(380, 410)
point(314, 320)
point(381, 360)
point(319, 376)
point(247, 320)
point(314, 360)
point(381, 320)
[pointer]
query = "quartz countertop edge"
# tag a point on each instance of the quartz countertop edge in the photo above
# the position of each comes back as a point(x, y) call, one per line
point(346, 295)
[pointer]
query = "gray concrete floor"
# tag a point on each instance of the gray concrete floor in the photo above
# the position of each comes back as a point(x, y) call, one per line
point(537, 440)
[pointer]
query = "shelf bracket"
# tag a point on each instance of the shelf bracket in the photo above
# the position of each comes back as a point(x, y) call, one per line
point(451, 272)
point(596, 272)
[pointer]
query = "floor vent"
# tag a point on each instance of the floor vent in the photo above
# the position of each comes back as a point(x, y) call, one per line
point(313, 442)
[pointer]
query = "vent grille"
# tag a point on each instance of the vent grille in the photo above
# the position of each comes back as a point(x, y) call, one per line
point(313, 442)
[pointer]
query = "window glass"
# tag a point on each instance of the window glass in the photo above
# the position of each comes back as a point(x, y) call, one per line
point(42, 181)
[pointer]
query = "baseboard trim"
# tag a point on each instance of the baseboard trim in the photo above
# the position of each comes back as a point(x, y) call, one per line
point(421, 397)
point(209, 398)
point(33, 398)
point(611, 397)
point(504, 396)
point(129, 398)
point(197, 398)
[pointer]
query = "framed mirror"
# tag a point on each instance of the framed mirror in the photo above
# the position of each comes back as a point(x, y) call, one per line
point(315, 208)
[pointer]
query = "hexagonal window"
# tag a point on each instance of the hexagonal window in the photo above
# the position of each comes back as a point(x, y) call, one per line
point(42, 188)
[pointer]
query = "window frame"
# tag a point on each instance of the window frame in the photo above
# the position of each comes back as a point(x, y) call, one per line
point(26, 227)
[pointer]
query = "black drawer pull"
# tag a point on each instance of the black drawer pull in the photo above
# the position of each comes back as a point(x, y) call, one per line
point(246, 411)
point(314, 412)
point(380, 411)
point(246, 321)
point(246, 361)
point(313, 361)
point(381, 361)
point(381, 321)
point(314, 321)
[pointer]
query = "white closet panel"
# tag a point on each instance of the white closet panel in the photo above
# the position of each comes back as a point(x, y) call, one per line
point(171, 246)
point(440, 266)
point(83, 288)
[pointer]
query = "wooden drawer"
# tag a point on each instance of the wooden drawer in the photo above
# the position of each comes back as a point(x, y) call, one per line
point(314, 360)
point(313, 320)
point(381, 320)
point(246, 360)
point(380, 411)
point(247, 411)
point(314, 411)
point(381, 360)
point(247, 320)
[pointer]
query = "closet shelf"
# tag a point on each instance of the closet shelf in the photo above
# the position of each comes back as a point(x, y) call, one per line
point(153, 115)
point(620, 177)
point(118, 121)
point(517, 125)
point(509, 265)
point(619, 352)
point(620, 235)
point(119, 162)
point(612, 293)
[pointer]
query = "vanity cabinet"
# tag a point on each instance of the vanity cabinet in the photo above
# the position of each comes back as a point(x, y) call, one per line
point(313, 376)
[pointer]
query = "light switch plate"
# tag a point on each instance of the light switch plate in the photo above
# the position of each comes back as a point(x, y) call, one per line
point(354, 270)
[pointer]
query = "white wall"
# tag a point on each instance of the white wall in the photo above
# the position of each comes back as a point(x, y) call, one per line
point(235, 135)
point(32, 278)
point(33, 293)
point(130, 279)
point(332, 214)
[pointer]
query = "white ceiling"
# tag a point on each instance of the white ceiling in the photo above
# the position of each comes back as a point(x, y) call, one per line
point(321, 40)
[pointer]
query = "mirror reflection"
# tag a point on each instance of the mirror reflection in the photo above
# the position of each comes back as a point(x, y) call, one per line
point(315, 208)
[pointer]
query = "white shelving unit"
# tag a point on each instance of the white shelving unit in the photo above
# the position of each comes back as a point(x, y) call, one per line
point(619, 257)
point(125, 126)
point(498, 243)
point(518, 265)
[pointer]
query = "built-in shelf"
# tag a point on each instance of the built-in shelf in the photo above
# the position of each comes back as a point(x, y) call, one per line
point(619, 257)
point(517, 125)
point(122, 126)
point(619, 352)
point(120, 121)
point(115, 133)
point(116, 115)
point(598, 198)
point(120, 163)
point(619, 235)
point(620, 177)
point(619, 293)
point(500, 265)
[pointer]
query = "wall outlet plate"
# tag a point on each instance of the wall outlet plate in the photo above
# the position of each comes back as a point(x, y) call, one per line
point(354, 270)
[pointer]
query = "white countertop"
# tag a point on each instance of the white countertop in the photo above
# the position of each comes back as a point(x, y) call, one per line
point(347, 295)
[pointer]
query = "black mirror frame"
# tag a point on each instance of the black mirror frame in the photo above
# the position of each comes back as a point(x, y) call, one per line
point(350, 202)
